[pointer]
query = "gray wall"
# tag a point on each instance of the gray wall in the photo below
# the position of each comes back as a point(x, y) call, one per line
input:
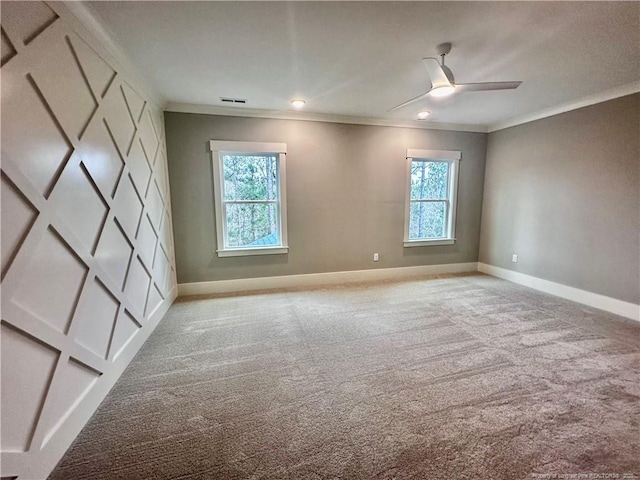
point(345, 195)
point(563, 193)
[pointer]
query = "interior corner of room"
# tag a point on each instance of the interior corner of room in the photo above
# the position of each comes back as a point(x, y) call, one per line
point(128, 129)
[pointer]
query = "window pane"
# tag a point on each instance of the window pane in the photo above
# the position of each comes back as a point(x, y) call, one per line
point(429, 180)
point(427, 220)
point(252, 225)
point(250, 177)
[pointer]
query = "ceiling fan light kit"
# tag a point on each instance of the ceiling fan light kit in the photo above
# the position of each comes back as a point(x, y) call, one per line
point(443, 82)
point(442, 91)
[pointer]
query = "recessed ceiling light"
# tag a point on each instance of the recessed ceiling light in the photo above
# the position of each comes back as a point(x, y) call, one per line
point(298, 103)
point(423, 115)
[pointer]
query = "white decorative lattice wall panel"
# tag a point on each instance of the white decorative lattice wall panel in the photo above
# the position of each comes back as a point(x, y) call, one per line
point(156, 204)
point(96, 318)
point(26, 22)
point(148, 138)
point(168, 280)
point(7, 48)
point(139, 168)
point(98, 73)
point(167, 235)
point(160, 265)
point(25, 117)
point(79, 205)
point(87, 251)
point(60, 80)
point(134, 101)
point(161, 178)
point(155, 298)
point(128, 207)
point(118, 119)
point(20, 215)
point(126, 328)
point(147, 239)
point(75, 382)
point(24, 386)
point(50, 283)
point(137, 287)
point(114, 252)
point(101, 158)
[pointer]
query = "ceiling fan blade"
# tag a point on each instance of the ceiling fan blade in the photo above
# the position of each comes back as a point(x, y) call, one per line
point(436, 73)
point(408, 102)
point(481, 87)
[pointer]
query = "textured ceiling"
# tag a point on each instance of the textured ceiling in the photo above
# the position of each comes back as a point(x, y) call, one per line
point(362, 58)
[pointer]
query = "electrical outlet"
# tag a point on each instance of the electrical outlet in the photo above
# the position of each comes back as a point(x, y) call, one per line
point(514, 258)
point(376, 257)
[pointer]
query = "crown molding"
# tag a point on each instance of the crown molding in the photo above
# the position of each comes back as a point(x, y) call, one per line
point(611, 94)
point(318, 117)
point(84, 17)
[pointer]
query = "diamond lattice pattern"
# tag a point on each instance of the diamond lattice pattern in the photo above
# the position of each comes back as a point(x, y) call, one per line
point(87, 258)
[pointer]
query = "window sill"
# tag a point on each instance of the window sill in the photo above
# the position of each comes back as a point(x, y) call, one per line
point(242, 252)
point(430, 243)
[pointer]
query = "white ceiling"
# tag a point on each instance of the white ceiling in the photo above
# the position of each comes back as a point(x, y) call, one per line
point(362, 58)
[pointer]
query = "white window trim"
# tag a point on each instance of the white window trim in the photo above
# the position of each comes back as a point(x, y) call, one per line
point(453, 158)
point(221, 147)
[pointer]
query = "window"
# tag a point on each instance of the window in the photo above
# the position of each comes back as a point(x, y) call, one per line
point(430, 210)
point(250, 197)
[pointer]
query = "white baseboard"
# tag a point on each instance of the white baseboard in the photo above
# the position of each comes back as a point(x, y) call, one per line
point(42, 462)
point(602, 302)
point(313, 279)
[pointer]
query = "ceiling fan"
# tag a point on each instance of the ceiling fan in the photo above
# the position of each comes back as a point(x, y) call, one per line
point(443, 82)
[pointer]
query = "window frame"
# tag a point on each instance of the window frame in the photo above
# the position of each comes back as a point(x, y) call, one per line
point(218, 150)
point(452, 157)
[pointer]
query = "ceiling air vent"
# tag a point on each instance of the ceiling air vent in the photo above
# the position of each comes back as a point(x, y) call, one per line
point(232, 100)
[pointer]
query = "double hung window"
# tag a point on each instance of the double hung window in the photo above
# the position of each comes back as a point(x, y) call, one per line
point(430, 208)
point(250, 197)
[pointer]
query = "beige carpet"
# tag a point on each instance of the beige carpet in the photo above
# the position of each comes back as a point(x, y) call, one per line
point(458, 377)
